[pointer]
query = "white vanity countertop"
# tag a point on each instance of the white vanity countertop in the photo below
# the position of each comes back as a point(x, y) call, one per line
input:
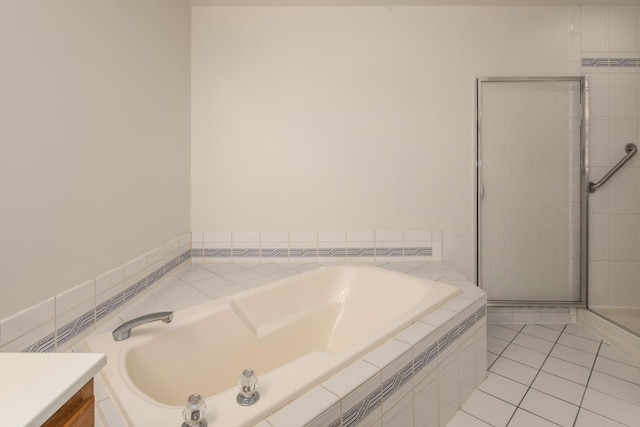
point(33, 386)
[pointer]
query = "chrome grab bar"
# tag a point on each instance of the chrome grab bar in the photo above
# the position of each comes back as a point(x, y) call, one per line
point(631, 150)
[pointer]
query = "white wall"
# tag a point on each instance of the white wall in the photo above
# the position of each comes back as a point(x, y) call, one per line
point(614, 220)
point(352, 118)
point(94, 139)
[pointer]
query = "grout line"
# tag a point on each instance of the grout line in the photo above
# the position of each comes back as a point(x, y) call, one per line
point(480, 419)
point(503, 350)
point(536, 376)
point(588, 380)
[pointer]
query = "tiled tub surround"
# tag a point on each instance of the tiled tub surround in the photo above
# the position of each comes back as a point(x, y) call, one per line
point(318, 246)
point(331, 303)
point(444, 353)
point(59, 322)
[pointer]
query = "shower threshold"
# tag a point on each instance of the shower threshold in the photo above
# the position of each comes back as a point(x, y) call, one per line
point(625, 317)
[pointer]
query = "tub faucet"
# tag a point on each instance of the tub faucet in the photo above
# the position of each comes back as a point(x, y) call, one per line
point(123, 331)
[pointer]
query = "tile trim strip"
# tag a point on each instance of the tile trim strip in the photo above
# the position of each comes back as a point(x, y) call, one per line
point(91, 317)
point(385, 252)
point(610, 62)
point(360, 410)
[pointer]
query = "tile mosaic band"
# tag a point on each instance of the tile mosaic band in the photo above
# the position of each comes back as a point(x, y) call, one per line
point(384, 252)
point(611, 62)
point(91, 317)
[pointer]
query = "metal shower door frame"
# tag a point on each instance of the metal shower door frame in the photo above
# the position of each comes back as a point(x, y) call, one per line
point(584, 188)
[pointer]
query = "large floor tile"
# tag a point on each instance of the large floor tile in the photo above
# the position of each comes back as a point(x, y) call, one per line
point(587, 418)
point(551, 408)
point(541, 331)
point(500, 332)
point(559, 387)
point(617, 369)
point(503, 388)
point(615, 387)
point(579, 343)
point(611, 407)
point(490, 409)
point(463, 419)
point(514, 370)
point(524, 418)
point(573, 355)
point(534, 343)
point(566, 370)
point(524, 355)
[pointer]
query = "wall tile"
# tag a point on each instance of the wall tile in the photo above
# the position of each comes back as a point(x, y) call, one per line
point(594, 28)
point(361, 245)
point(622, 236)
point(217, 246)
point(389, 244)
point(622, 28)
point(598, 95)
point(40, 339)
point(75, 296)
point(449, 387)
point(575, 44)
point(154, 258)
point(274, 246)
point(576, 19)
point(622, 282)
point(425, 398)
point(623, 190)
point(246, 246)
point(599, 143)
point(27, 320)
point(467, 358)
point(400, 415)
point(332, 246)
point(75, 324)
point(622, 92)
point(110, 279)
point(598, 236)
point(303, 246)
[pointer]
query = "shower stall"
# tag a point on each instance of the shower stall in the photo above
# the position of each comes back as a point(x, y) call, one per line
point(533, 190)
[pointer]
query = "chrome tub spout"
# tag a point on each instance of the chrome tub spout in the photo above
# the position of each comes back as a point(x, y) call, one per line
point(123, 331)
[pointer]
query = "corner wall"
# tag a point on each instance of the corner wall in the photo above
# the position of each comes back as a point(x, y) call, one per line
point(352, 118)
point(94, 124)
point(609, 42)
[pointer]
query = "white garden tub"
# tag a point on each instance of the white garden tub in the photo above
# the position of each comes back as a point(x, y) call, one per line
point(294, 333)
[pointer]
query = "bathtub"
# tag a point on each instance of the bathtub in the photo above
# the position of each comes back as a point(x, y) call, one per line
point(294, 333)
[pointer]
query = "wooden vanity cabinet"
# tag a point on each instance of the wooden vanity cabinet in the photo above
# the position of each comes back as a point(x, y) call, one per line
point(76, 412)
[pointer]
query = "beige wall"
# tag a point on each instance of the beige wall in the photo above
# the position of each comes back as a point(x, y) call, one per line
point(94, 139)
point(347, 118)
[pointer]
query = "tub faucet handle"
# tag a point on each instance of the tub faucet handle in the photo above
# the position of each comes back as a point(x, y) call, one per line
point(248, 388)
point(193, 412)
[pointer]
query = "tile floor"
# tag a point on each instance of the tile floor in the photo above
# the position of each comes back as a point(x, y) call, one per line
point(553, 374)
point(539, 374)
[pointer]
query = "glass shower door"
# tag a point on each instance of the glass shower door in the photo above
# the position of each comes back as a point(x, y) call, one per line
point(530, 210)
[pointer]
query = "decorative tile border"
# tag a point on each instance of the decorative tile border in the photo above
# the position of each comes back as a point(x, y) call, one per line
point(300, 246)
point(369, 403)
point(611, 62)
point(226, 253)
point(90, 318)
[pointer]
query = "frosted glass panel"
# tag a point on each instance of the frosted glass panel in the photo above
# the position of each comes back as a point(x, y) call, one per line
point(529, 183)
